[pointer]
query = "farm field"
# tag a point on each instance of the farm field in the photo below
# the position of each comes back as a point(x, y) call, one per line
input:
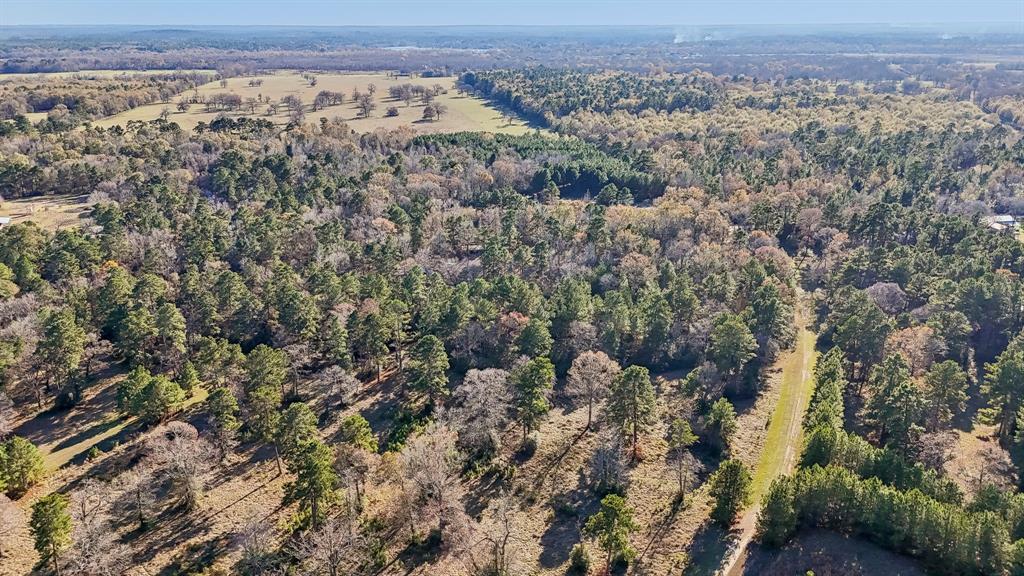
point(49, 212)
point(465, 113)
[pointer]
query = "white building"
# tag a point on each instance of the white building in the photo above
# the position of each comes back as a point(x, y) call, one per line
point(1002, 222)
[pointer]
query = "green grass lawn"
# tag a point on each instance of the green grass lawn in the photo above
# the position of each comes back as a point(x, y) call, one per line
point(782, 445)
point(59, 455)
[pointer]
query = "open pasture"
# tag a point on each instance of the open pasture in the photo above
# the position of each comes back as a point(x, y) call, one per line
point(49, 212)
point(464, 113)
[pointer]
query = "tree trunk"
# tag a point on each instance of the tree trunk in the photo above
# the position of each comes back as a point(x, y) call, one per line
point(56, 562)
point(636, 419)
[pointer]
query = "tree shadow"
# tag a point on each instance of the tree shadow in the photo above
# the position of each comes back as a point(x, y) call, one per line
point(827, 552)
point(84, 435)
point(97, 405)
point(169, 531)
point(485, 490)
point(197, 557)
point(708, 550)
point(107, 444)
point(975, 402)
point(558, 539)
point(571, 510)
point(420, 554)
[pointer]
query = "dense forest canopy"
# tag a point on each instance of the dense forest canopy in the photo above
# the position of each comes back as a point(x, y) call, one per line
point(478, 353)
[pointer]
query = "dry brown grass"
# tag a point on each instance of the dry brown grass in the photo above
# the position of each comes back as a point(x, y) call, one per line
point(465, 113)
point(978, 459)
point(49, 212)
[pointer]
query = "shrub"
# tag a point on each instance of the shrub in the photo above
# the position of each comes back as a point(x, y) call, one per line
point(579, 559)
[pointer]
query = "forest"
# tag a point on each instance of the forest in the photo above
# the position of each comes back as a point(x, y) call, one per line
point(303, 349)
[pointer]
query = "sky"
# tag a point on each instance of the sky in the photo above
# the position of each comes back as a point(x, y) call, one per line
point(506, 12)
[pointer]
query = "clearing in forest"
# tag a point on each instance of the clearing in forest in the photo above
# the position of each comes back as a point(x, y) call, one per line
point(49, 212)
point(782, 444)
point(464, 113)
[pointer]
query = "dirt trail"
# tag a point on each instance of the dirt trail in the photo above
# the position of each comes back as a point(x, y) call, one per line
point(782, 446)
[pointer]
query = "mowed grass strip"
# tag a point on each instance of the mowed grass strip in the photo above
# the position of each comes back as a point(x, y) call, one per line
point(783, 442)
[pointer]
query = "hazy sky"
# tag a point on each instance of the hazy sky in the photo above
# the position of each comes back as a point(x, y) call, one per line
point(462, 12)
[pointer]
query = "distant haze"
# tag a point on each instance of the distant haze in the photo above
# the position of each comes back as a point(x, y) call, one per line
point(1004, 13)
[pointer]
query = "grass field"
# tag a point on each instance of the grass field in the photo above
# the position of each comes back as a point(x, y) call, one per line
point(49, 212)
point(464, 112)
point(783, 441)
point(782, 445)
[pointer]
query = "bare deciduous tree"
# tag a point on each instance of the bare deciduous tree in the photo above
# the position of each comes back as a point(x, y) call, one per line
point(482, 411)
point(500, 542)
point(7, 415)
point(431, 465)
point(257, 541)
point(95, 544)
point(336, 548)
point(136, 488)
point(340, 386)
point(180, 456)
point(354, 465)
point(589, 378)
point(607, 465)
point(365, 104)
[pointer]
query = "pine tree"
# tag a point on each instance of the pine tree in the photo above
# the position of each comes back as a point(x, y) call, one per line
point(222, 407)
point(732, 345)
point(51, 528)
point(1004, 388)
point(356, 431)
point(137, 336)
point(535, 340)
point(946, 389)
point(170, 330)
point(315, 484)
point(721, 423)
point(612, 526)
point(296, 427)
point(158, 399)
point(896, 406)
point(730, 487)
point(631, 403)
point(533, 382)
point(334, 342)
point(430, 368)
point(62, 346)
point(188, 377)
point(21, 465)
point(776, 520)
point(129, 390)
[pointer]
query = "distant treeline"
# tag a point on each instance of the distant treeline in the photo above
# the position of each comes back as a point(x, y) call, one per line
point(578, 169)
point(92, 97)
point(651, 49)
point(544, 93)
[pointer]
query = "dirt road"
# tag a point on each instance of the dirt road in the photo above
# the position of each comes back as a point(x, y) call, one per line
point(782, 445)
